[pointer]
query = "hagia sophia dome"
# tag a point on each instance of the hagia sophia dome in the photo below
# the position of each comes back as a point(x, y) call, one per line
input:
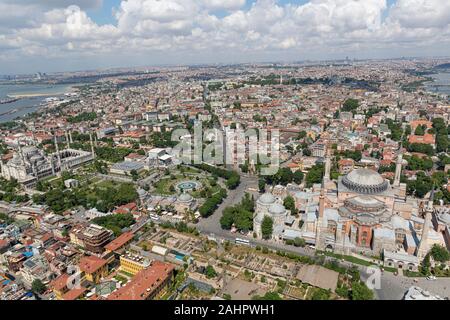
point(365, 181)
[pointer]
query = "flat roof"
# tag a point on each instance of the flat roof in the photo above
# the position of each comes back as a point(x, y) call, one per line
point(318, 276)
point(127, 166)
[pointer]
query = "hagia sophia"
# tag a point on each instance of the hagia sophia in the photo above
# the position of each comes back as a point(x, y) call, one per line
point(360, 213)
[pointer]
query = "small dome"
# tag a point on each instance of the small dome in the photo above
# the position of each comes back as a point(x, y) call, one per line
point(277, 208)
point(185, 197)
point(267, 198)
point(365, 202)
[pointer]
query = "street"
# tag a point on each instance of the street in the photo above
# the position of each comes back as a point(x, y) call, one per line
point(392, 287)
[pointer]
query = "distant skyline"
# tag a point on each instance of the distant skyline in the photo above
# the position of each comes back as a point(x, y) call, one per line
point(69, 35)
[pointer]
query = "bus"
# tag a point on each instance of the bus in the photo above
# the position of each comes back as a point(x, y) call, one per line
point(154, 217)
point(242, 241)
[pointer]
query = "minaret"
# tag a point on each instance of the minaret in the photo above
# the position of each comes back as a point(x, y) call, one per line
point(92, 146)
point(57, 153)
point(281, 79)
point(398, 169)
point(52, 163)
point(319, 225)
point(67, 140)
point(21, 152)
point(34, 136)
point(34, 170)
point(423, 249)
point(327, 166)
point(70, 136)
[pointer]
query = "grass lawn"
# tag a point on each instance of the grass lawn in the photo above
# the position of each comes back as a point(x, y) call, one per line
point(413, 274)
point(106, 184)
point(389, 269)
point(350, 259)
point(163, 186)
point(121, 279)
point(127, 274)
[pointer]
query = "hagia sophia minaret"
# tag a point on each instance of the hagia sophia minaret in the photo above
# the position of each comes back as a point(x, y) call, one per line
point(67, 140)
point(319, 225)
point(57, 153)
point(423, 249)
point(327, 166)
point(92, 145)
point(398, 170)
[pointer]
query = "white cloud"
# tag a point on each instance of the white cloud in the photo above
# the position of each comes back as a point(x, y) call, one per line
point(422, 13)
point(223, 4)
point(194, 28)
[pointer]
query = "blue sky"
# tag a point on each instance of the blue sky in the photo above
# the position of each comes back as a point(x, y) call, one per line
point(55, 35)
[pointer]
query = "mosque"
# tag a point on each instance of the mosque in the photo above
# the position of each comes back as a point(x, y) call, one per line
point(30, 164)
point(361, 213)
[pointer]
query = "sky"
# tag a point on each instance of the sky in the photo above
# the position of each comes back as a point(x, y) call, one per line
point(68, 35)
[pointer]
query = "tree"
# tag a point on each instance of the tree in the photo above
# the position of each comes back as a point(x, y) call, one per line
point(302, 134)
point(289, 203)
point(350, 105)
point(299, 242)
point(134, 174)
point(425, 266)
point(241, 215)
point(268, 296)
point(298, 177)
point(442, 142)
point(115, 222)
point(267, 227)
point(212, 203)
point(439, 253)
point(262, 185)
point(210, 272)
point(360, 291)
point(38, 287)
point(315, 175)
point(321, 294)
point(419, 131)
point(421, 148)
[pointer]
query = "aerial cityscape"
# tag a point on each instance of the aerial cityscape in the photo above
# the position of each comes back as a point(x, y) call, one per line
point(271, 175)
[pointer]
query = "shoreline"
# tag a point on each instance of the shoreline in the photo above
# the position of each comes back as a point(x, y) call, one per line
point(33, 95)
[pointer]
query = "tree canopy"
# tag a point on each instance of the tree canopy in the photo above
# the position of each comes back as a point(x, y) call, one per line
point(267, 227)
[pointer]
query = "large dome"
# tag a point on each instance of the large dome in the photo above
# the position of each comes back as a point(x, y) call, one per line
point(267, 198)
point(365, 181)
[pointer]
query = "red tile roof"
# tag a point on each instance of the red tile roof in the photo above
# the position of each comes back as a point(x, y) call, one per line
point(144, 283)
point(3, 243)
point(61, 282)
point(74, 294)
point(427, 139)
point(91, 264)
point(119, 242)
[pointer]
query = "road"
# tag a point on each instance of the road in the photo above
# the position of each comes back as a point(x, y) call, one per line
point(394, 287)
point(391, 287)
point(212, 223)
